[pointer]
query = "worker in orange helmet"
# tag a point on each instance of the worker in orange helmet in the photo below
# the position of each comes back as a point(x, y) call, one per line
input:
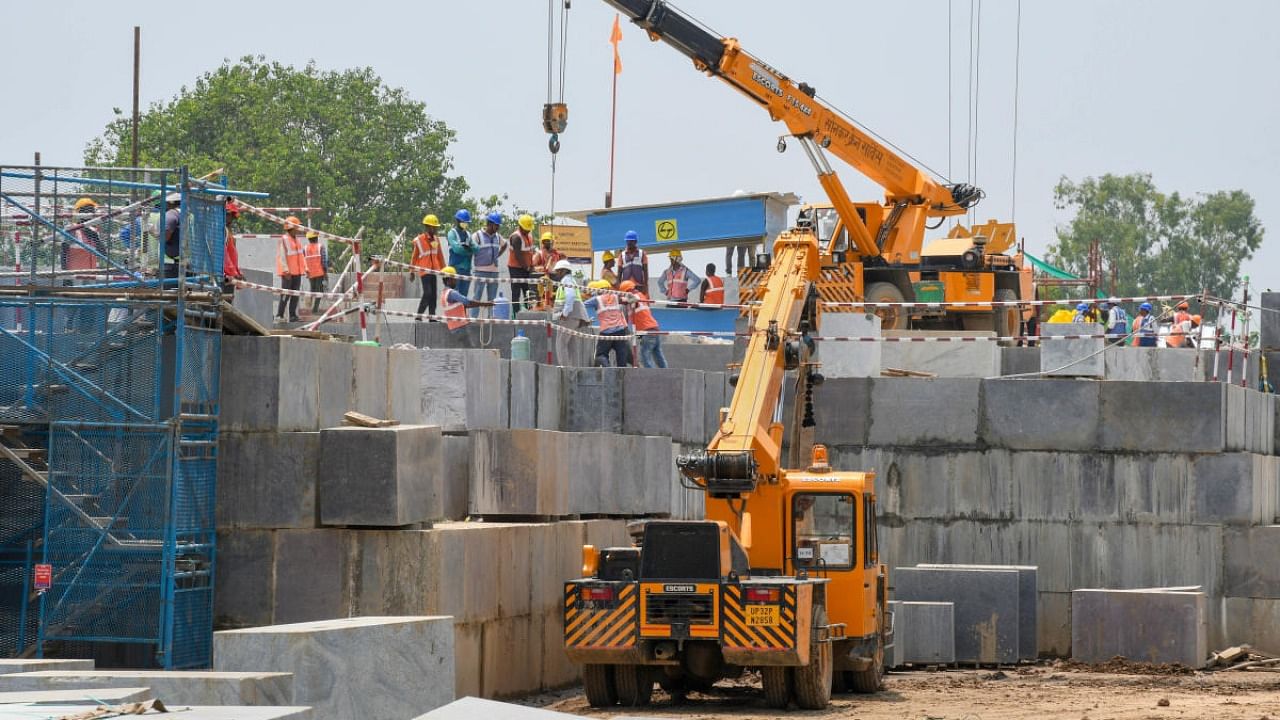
point(290, 268)
point(1181, 325)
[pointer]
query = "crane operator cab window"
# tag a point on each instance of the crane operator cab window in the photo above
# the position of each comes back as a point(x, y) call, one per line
point(823, 530)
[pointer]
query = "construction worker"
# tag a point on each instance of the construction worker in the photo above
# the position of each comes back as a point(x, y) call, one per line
point(634, 263)
point(607, 272)
point(289, 266)
point(487, 247)
point(712, 290)
point(1061, 316)
point(1181, 325)
point(1195, 333)
point(677, 281)
point(231, 254)
point(643, 321)
point(1116, 321)
point(428, 254)
point(460, 248)
point(572, 314)
point(611, 321)
point(1084, 314)
point(544, 262)
point(172, 233)
point(316, 257)
point(1145, 327)
point(454, 304)
point(81, 257)
point(520, 261)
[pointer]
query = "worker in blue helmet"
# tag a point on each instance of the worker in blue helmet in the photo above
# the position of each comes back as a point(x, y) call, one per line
point(1144, 326)
point(1083, 314)
point(460, 250)
point(487, 247)
point(633, 263)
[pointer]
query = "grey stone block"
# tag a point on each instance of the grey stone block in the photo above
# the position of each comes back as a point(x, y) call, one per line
point(50, 703)
point(456, 486)
point(518, 472)
point(986, 608)
point(463, 389)
point(1077, 357)
point(842, 409)
point(705, 356)
point(336, 367)
point(1019, 360)
point(550, 396)
point(1164, 417)
point(369, 380)
point(175, 687)
point(9, 666)
point(592, 400)
point(469, 708)
point(1154, 364)
point(1255, 621)
point(383, 477)
point(1141, 555)
point(1028, 595)
point(1235, 488)
point(257, 304)
point(977, 359)
point(269, 384)
point(523, 401)
point(1153, 626)
point(664, 402)
point(1252, 569)
point(1250, 420)
point(246, 578)
point(850, 359)
point(922, 412)
point(267, 479)
point(342, 668)
point(312, 568)
point(404, 387)
point(716, 394)
point(924, 633)
point(488, 391)
point(1054, 610)
point(1269, 332)
point(1034, 414)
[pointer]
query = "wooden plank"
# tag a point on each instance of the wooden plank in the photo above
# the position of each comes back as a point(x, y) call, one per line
point(351, 417)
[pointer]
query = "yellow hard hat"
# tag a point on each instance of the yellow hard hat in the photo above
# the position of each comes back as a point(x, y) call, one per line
point(85, 202)
point(599, 284)
point(675, 254)
point(607, 256)
point(526, 222)
point(449, 271)
point(431, 221)
point(546, 236)
point(312, 234)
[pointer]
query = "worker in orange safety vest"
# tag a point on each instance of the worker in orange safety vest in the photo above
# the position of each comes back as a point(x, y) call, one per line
point(81, 257)
point(290, 267)
point(428, 254)
point(1181, 324)
point(677, 281)
point(643, 321)
point(612, 322)
point(455, 304)
point(317, 266)
point(712, 290)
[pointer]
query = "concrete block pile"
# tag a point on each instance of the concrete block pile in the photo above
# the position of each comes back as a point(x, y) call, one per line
point(194, 687)
point(1155, 625)
point(987, 614)
point(923, 633)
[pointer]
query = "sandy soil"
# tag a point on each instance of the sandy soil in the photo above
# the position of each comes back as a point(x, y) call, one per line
point(1045, 691)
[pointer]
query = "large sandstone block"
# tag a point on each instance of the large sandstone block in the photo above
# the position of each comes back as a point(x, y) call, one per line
point(269, 384)
point(987, 612)
point(9, 666)
point(1036, 414)
point(404, 386)
point(1154, 626)
point(523, 401)
point(1162, 417)
point(368, 380)
point(246, 578)
point(383, 477)
point(515, 669)
point(924, 632)
point(1236, 489)
point(550, 397)
point(845, 359)
point(176, 687)
point(1255, 621)
point(1252, 559)
point(976, 359)
point(664, 402)
point(913, 412)
point(336, 367)
point(267, 479)
point(456, 486)
point(342, 668)
point(1074, 357)
point(464, 389)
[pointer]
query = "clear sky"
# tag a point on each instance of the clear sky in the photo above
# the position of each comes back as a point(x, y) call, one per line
point(1188, 91)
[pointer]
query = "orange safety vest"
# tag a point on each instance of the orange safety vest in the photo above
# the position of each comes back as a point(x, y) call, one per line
point(315, 268)
point(78, 258)
point(427, 253)
point(289, 256)
point(678, 284)
point(641, 316)
point(714, 294)
point(1177, 333)
point(456, 313)
point(609, 313)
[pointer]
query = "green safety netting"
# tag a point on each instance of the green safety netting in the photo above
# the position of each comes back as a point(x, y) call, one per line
point(1053, 271)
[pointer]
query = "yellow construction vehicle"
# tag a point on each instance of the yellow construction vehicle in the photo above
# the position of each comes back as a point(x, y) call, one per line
point(783, 577)
point(872, 251)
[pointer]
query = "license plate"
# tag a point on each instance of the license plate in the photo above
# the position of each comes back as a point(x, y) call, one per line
point(762, 615)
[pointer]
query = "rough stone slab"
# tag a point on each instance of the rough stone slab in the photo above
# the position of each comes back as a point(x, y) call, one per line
point(516, 669)
point(368, 380)
point(591, 400)
point(77, 699)
point(986, 608)
point(469, 708)
point(1035, 414)
point(1162, 417)
point(404, 387)
point(716, 394)
point(664, 402)
point(978, 359)
point(9, 666)
point(1152, 626)
point(1236, 489)
point(257, 304)
point(1028, 592)
point(1154, 364)
point(462, 389)
point(468, 654)
point(518, 472)
point(1250, 420)
point(1019, 360)
point(706, 356)
point(269, 384)
point(557, 670)
point(391, 573)
point(180, 687)
point(923, 412)
point(523, 401)
point(246, 578)
point(342, 668)
point(311, 571)
point(267, 479)
point(1131, 554)
point(381, 477)
point(1082, 357)
point(489, 391)
point(850, 359)
point(924, 632)
point(1255, 621)
point(456, 487)
point(336, 366)
point(550, 397)
point(842, 409)
point(1054, 610)
point(1252, 559)
point(1269, 332)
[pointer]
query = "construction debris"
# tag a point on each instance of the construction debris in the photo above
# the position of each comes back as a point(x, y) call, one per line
point(352, 417)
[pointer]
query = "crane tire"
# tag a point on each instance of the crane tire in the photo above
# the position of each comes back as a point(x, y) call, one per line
point(777, 686)
point(634, 685)
point(891, 318)
point(598, 681)
point(813, 681)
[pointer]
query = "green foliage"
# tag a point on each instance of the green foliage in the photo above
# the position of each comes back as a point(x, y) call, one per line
point(1159, 244)
point(372, 156)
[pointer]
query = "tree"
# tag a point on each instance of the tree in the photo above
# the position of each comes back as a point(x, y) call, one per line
point(1159, 244)
point(372, 156)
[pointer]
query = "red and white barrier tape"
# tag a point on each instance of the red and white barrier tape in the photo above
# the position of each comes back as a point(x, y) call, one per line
point(501, 321)
point(298, 293)
point(281, 221)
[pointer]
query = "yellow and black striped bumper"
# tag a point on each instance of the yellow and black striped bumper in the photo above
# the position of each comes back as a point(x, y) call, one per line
point(764, 633)
point(601, 630)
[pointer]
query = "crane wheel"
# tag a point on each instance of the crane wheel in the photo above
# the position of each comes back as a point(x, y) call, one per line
point(634, 685)
point(891, 318)
point(1008, 318)
point(598, 681)
point(813, 681)
point(777, 686)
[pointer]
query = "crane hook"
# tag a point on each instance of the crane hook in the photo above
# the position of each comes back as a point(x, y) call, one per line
point(782, 143)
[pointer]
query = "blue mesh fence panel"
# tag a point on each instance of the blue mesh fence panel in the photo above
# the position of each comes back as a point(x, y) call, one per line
point(206, 233)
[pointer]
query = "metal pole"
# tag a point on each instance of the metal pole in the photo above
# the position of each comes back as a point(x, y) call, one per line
point(137, 57)
point(35, 226)
point(1244, 330)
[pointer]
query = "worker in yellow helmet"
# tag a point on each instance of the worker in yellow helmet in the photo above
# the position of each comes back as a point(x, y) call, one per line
point(454, 304)
point(520, 260)
point(428, 255)
point(607, 271)
point(544, 262)
point(611, 322)
point(677, 281)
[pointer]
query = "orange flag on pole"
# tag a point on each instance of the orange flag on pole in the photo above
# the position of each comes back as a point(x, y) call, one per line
point(615, 37)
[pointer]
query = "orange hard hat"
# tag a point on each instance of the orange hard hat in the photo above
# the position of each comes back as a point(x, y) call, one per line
point(627, 285)
point(292, 222)
point(1183, 305)
point(1196, 319)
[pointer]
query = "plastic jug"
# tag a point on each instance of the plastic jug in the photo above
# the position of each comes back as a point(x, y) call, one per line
point(520, 346)
point(501, 307)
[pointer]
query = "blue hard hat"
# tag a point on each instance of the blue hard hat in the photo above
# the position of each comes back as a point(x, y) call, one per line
point(1082, 307)
point(462, 215)
point(494, 217)
point(631, 235)
point(1145, 306)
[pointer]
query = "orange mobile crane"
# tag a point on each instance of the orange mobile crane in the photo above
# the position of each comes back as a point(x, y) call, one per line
point(872, 251)
point(783, 577)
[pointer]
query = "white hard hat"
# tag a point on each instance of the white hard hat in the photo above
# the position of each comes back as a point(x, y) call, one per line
point(173, 197)
point(562, 265)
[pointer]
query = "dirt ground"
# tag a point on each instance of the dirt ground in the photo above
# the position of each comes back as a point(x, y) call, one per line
point(1043, 691)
